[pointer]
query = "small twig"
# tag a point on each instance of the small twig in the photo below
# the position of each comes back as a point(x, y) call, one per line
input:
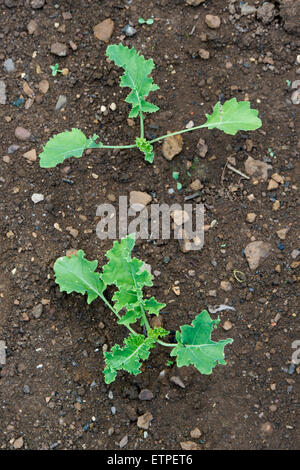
point(232, 168)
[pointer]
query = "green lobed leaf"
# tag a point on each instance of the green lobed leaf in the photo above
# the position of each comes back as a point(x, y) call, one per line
point(124, 298)
point(196, 347)
point(136, 76)
point(129, 276)
point(152, 306)
point(136, 348)
point(77, 274)
point(122, 270)
point(131, 316)
point(233, 116)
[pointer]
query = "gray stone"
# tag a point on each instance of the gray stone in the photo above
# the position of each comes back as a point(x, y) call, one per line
point(295, 85)
point(129, 30)
point(194, 3)
point(61, 102)
point(295, 254)
point(2, 92)
point(256, 253)
point(9, 65)
point(266, 13)
point(13, 148)
point(10, 3)
point(59, 49)
point(36, 4)
point(38, 309)
point(2, 353)
point(296, 97)
point(145, 395)
point(123, 442)
point(22, 134)
point(247, 9)
point(290, 13)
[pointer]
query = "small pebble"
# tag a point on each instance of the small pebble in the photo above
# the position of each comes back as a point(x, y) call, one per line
point(37, 311)
point(9, 65)
point(22, 134)
point(227, 325)
point(145, 395)
point(18, 443)
point(195, 433)
point(61, 102)
point(36, 197)
point(212, 21)
point(129, 30)
point(123, 442)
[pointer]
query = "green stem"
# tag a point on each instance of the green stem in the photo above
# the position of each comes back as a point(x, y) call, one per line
point(169, 345)
point(144, 316)
point(100, 146)
point(179, 132)
point(114, 311)
point(142, 124)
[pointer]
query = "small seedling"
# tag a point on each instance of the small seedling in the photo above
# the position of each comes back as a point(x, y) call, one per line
point(229, 117)
point(55, 70)
point(149, 21)
point(175, 176)
point(129, 276)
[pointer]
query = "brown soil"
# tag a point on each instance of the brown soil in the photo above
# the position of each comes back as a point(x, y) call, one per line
point(252, 402)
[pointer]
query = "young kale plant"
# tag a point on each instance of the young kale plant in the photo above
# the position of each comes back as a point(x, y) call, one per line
point(229, 117)
point(55, 69)
point(128, 275)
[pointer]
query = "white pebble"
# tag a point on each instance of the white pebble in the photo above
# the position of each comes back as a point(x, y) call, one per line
point(189, 125)
point(36, 197)
point(103, 109)
point(113, 106)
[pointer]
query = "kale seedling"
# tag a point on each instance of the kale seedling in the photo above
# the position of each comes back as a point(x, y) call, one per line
point(128, 275)
point(229, 117)
point(175, 176)
point(149, 21)
point(55, 70)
